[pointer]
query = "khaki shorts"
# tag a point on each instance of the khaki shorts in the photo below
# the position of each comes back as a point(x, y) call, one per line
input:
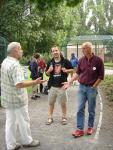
point(58, 94)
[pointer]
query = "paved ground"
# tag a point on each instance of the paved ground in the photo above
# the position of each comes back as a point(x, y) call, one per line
point(57, 136)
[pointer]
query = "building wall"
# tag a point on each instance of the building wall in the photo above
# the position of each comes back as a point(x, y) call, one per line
point(73, 49)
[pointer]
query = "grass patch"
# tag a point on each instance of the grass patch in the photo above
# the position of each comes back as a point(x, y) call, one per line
point(107, 87)
point(108, 65)
point(29, 89)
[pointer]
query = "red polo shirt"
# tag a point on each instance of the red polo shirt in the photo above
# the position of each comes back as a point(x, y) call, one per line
point(90, 70)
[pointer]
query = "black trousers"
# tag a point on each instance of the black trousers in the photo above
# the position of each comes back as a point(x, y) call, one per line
point(41, 85)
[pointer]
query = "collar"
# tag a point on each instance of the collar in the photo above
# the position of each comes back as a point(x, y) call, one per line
point(90, 57)
point(12, 58)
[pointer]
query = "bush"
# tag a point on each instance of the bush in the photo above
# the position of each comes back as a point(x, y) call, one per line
point(46, 56)
point(108, 65)
point(107, 86)
point(24, 60)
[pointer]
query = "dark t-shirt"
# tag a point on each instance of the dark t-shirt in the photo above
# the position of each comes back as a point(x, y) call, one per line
point(57, 76)
point(90, 70)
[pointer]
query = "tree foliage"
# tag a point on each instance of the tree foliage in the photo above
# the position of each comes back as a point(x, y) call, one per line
point(101, 19)
point(15, 27)
point(47, 4)
point(38, 30)
point(56, 25)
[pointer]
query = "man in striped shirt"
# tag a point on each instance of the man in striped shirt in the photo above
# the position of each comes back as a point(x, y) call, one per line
point(14, 99)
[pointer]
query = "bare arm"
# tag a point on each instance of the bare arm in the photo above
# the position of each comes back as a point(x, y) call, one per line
point(67, 70)
point(96, 83)
point(25, 84)
point(74, 77)
point(49, 70)
point(67, 84)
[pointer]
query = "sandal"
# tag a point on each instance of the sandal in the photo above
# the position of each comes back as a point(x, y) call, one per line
point(64, 120)
point(49, 121)
point(33, 97)
point(37, 96)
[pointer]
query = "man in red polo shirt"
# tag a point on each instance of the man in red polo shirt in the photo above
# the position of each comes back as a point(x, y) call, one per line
point(90, 72)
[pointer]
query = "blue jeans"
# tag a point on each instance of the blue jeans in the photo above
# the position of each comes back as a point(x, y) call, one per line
point(86, 93)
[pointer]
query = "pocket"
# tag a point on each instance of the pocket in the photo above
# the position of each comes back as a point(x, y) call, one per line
point(93, 90)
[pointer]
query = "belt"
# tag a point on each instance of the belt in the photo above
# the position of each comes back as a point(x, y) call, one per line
point(86, 84)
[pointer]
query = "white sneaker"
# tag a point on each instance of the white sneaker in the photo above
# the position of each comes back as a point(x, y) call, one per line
point(34, 143)
point(16, 147)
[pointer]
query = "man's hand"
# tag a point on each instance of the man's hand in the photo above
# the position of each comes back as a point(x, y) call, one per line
point(64, 70)
point(65, 85)
point(39, 81)
point(50, 69)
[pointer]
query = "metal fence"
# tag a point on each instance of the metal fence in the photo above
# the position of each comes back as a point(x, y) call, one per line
point(3, 47)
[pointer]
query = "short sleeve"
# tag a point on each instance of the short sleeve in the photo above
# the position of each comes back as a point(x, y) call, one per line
point(17, 75)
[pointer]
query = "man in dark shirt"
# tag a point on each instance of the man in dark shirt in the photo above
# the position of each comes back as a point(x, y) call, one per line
point(90, 72)
point(57, 70)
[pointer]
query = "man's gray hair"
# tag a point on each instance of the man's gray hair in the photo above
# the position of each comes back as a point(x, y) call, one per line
point(88, 44)
point(11, 46)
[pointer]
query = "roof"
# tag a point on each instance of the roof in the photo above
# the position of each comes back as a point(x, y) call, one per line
point(90, 38)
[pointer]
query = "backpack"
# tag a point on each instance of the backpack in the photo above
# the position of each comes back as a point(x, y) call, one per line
point(46, 90)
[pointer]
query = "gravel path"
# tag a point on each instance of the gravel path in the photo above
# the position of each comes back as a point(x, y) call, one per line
point(57, 136)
